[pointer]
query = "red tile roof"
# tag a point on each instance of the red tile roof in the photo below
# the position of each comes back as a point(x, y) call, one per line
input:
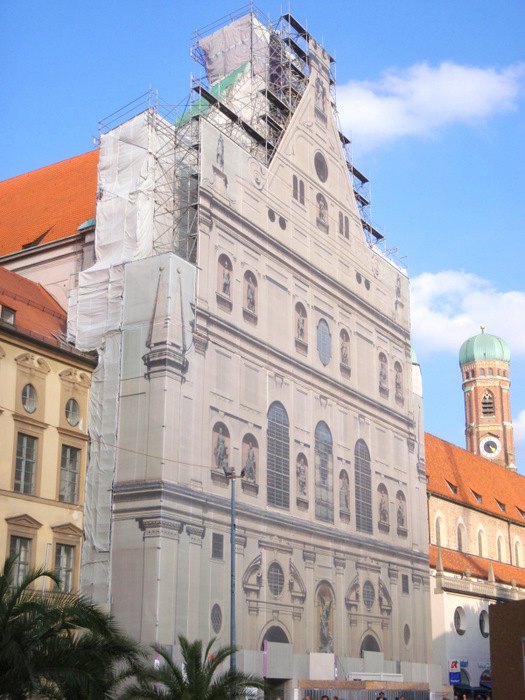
point(47, 204)
point(37, 314)
point(469, 475)
point(458, 563)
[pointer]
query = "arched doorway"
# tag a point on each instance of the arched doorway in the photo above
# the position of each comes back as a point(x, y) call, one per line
point(369, 644)
point(275, 634)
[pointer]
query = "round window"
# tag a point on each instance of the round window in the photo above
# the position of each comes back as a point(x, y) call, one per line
point(275, 579)
point(321, 168)
point(216, 618)
point(484, 623)
point(72, 412)
point(369, 594)
point(29, 398)
point(459, 620)
point(324, 342)
point(406, 635)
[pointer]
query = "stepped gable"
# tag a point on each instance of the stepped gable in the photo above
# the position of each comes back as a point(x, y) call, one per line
point(470, 474)
point(48, 204)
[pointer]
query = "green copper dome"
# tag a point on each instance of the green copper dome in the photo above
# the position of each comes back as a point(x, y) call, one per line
point(484, 347)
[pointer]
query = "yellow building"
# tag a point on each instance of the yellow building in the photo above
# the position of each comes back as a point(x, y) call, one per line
point(44, 388)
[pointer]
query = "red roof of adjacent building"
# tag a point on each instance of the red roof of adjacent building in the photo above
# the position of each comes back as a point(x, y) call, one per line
point(48, 204)
point(37, 314)
point(466, 478)
point(459, 563)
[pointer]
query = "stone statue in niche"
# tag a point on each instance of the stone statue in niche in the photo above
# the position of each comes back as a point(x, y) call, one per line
point(322, 210)
point(301, 476)
point(300, 326)
point(250, 294)
point(344, 493)
point(326, 641)
point(221, 451)
point(382, 375)
point(399, 383)
point(383, 508)
point(219, 157)
point(320, 96)
point(344, 352)
point(249, 467)
point(401, 519)
point(226, 280)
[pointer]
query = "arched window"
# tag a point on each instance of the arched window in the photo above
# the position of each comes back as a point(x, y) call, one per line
point(301, 191)
point(341, 229)
point(363, 487)
point(438, 532)
point(517, 553)
point(347, 227)
point(295, 187)
point(461, 539)
point(250, 292)
point(324, 487)
point(278, 456)
point(324, 342)
point(480, 543)
point(487, 404)
point(500, 548)
point(224, 276)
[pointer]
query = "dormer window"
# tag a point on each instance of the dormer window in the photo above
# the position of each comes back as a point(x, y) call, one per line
point(452, 487)
point(7, 315)
point(521, 512)
point(501, 505)
point(478, 498)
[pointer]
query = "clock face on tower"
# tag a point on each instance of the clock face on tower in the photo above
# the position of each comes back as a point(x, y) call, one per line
point(490, 446)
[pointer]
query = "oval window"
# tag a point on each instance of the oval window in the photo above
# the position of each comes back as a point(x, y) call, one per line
point(29, 398)
point(72, 412)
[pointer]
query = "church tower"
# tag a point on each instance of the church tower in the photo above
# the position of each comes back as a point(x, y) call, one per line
point(484, 361)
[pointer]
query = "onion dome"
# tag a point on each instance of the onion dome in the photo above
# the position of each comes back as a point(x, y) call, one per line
point(484, 347)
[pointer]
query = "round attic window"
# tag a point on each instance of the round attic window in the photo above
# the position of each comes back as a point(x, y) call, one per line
point(321, 168)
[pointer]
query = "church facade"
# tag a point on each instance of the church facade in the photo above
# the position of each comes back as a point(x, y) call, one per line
point(267, 338)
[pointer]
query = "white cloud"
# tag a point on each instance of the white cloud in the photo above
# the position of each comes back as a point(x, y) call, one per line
point(421, 99)
point(448, 307)
point(519, 433)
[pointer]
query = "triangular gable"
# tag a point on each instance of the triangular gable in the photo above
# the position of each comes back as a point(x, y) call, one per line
point(311, 137)
point(25, 521)
point(67, 530)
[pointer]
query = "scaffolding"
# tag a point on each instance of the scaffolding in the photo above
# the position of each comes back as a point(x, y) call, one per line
point(249, 92)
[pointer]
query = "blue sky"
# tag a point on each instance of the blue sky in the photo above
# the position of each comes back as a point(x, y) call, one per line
point(432, 94)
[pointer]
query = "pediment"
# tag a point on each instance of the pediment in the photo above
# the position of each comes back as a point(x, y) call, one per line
point(253, 576)
point(25, 521)
point(67, 530)
point(75, 377)
point(32, 362)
